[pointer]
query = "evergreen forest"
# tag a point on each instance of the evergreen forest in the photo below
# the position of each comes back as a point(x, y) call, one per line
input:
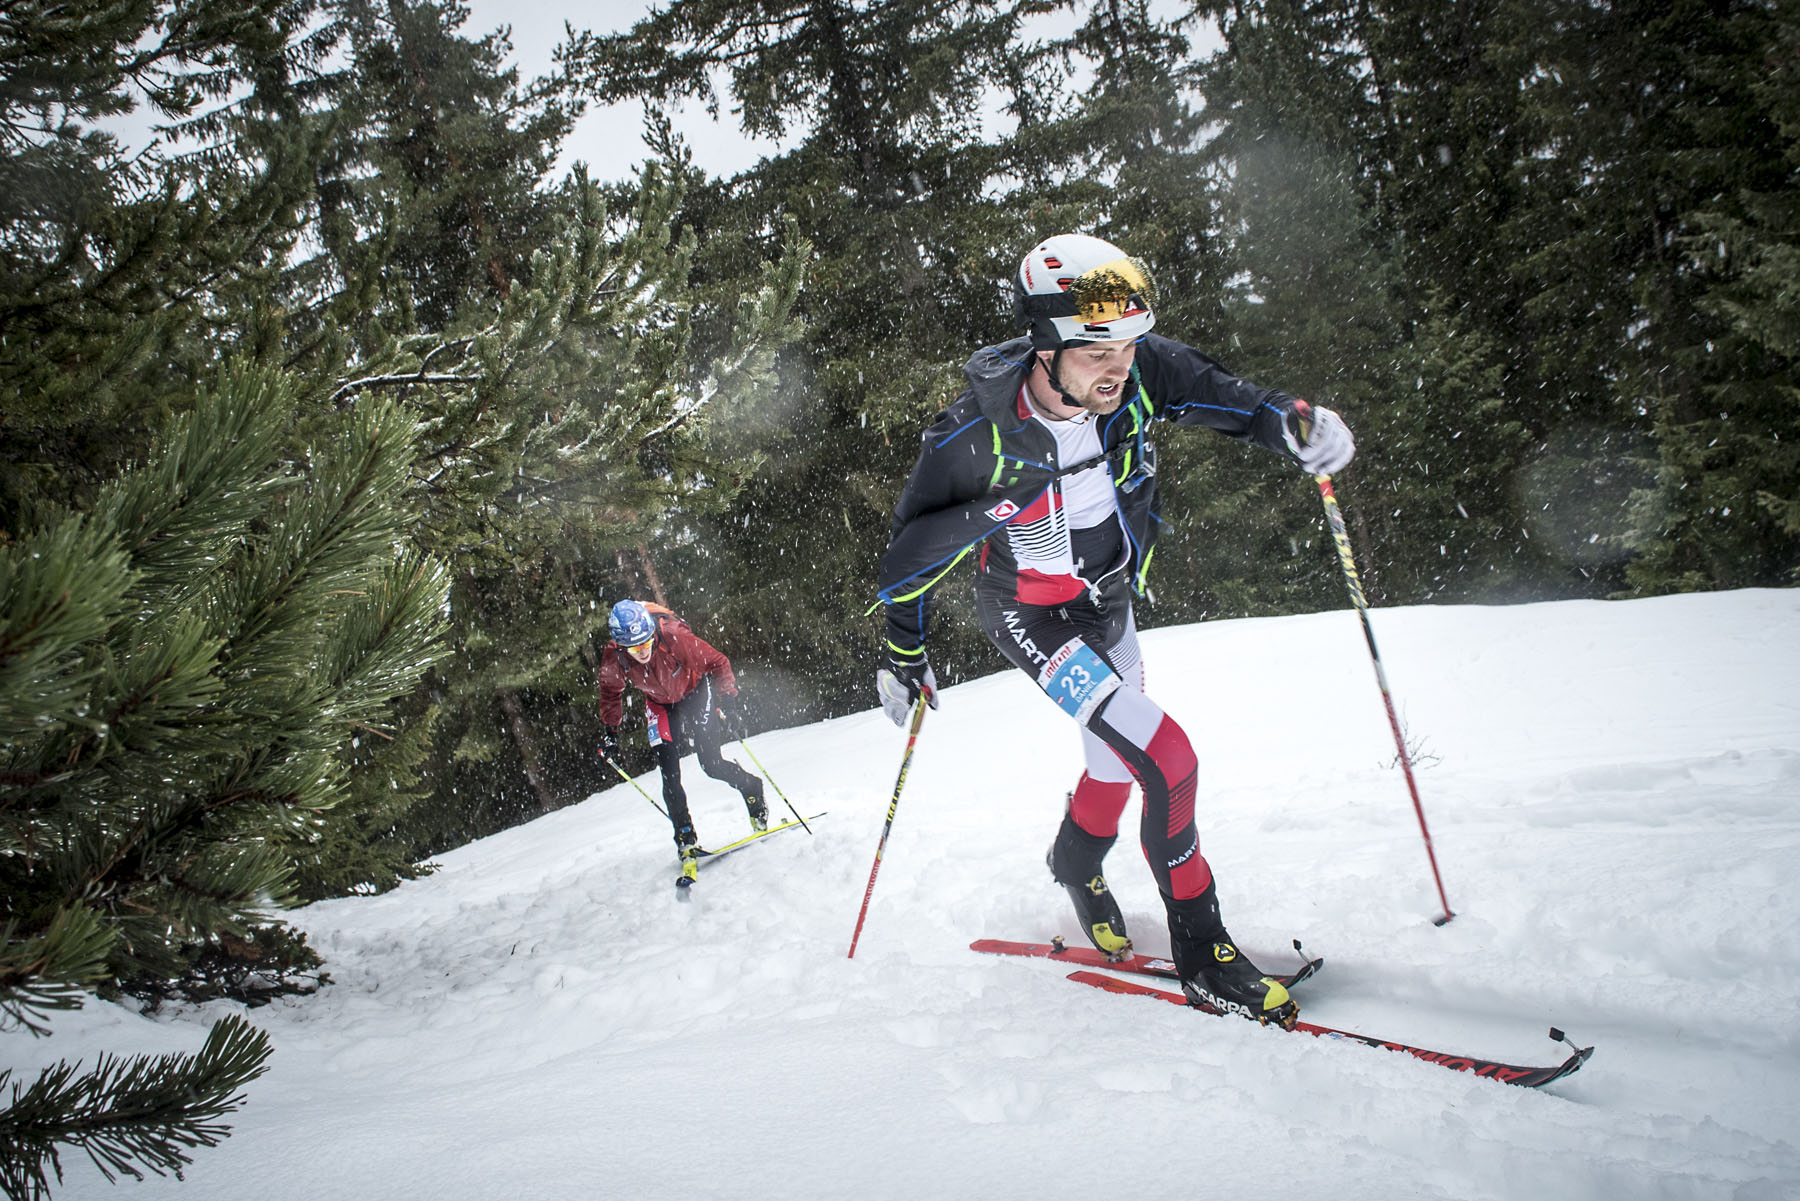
point(334, 417)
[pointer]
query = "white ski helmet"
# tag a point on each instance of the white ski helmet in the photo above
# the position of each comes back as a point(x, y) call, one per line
point(1073, 288)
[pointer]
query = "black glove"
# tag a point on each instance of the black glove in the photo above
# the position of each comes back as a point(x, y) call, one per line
point(609, 743)
point(732, 723)
point(902, 682)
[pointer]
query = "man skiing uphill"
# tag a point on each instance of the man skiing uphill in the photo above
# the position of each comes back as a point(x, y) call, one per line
point(675, 669)
point(1042, 469)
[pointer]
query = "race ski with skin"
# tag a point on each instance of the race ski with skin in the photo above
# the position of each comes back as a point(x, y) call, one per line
point(1506, 1073)
point(1143, 965)
point(740, 844)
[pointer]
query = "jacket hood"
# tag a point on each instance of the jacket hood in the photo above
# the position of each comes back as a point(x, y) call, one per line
point(994, 374)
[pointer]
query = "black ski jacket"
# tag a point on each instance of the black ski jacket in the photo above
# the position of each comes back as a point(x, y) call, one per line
point(984, 460)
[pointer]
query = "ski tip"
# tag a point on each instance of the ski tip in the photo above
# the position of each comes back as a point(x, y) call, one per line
point(1567, 1068)
point(1573, 1063)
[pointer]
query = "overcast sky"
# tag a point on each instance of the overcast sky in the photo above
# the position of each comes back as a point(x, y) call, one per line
point(610, 139)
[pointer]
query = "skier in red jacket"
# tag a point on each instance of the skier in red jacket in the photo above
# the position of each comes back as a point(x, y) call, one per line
point(676, 670)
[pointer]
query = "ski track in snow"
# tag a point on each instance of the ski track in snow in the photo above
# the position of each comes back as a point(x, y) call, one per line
point(1612, 791)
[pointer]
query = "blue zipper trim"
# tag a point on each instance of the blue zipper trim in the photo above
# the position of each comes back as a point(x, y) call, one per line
point(883, 597)
point(956, 433)
point(1194, 404)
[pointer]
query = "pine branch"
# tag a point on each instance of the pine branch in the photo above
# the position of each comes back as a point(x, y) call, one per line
point(58, 591)
point(355, 386)
point(52, 971)
point(128, 1115)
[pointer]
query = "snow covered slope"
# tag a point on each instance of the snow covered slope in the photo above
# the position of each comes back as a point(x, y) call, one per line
point(1614, 795)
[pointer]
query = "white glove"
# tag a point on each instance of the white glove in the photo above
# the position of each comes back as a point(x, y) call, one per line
point(1326, 446)
point(900, 687)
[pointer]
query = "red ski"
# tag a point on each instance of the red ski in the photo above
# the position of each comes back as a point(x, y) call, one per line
point(1143, 965)
point(1506, 1073)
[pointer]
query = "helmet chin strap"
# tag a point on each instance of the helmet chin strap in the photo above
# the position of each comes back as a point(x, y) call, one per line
point(1055, 382)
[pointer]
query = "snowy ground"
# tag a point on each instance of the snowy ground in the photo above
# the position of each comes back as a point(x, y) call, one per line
point(1612, 790)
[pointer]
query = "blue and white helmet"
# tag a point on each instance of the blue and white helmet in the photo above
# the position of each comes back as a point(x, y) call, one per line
point(1073, 288)
point(631, 623)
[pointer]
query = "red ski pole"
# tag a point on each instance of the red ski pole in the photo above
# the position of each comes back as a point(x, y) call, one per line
point(905, 762)
point(1339, 535)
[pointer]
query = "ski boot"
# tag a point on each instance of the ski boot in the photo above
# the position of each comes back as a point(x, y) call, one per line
point(1074, 863)
point(759, 810)
point(1215, 974)
point(688, 847)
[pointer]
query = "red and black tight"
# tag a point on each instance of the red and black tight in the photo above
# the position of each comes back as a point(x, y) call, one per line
point(1127, 737)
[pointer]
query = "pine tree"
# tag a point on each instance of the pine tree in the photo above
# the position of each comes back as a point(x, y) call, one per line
point(557, 430)
point(1315, 304)
point(180, 666)
point(890, 179)
point(544, 338)
point(1571, 179)
point(1482, 384)
point(118, 271)
point(435, 189)
point(1720, 366)
point(1491, 275)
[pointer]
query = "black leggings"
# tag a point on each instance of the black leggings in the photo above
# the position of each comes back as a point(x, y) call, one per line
point(693, 720)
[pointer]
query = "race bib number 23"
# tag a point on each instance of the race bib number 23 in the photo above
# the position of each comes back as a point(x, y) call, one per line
point(1078, 679)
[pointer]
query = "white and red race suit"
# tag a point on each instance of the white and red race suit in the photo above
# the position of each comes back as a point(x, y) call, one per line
point(1060, 516)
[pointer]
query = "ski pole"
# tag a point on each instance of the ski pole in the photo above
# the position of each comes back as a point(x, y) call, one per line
point(1339, 535)
point(745, 743)
point(634, 784)
point(905, 762)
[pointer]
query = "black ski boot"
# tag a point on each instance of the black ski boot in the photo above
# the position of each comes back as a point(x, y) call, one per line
point(1214, 973)
point(1074, 862)
point(759, 809)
